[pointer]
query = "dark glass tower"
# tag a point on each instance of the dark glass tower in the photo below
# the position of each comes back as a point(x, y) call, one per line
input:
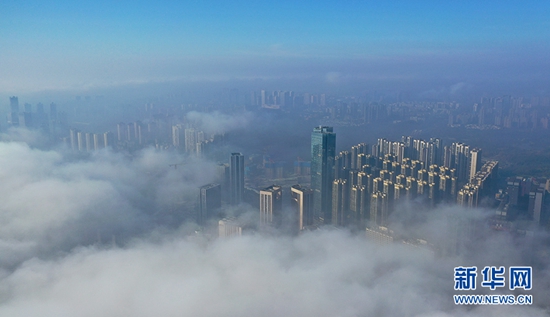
point(210, 202)
point(323, 150)
point(236, 179)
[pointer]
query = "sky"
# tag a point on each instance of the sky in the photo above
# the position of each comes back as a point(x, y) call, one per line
point(64, 45)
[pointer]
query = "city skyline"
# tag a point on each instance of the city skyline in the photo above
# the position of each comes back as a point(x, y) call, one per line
point(358, 158)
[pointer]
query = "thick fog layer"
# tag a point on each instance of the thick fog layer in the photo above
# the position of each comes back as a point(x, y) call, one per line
point(106, 235)
point(52, 201)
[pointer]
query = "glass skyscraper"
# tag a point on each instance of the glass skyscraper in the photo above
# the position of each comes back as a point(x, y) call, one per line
point(236, 179)
point(323, 150)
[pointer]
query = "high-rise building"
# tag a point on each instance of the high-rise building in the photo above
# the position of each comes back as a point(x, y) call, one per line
point(121, 131)
point(176, 135)
point(236, 178)
point(190, 140)
point(358, 205)
point(88, 140)
point(108, 139)
point(229, 227)
point(222, 177)
point(474, 163)
point(14, 113)
point(271, 205)
point(81, 141)
point(340, 202)
point(97, 141)
point(379, 209)
point(210, 202)
point(73, 136)
point(323, 150)
point(302, 201)
point(14, 104)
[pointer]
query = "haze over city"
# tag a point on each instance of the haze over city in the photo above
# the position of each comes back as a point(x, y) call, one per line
point(274, 159)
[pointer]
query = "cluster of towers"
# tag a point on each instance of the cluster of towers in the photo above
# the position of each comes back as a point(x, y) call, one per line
point(88, 142)
point(39, 119)
point(361, 186)
point(276, 99)
point(137, 133)
point(230, 189)
point(194, 141)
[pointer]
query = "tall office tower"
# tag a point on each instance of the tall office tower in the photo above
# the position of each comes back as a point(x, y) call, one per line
point(121, 131)
point(236, 178)
point(271, 205)
point(14, 111)
point(474, 163)
point(210, 202)
point(302, 201)
point(323, 150)
point(340, 202)
point(108, 139)
point(229, 227)
point(14, 104)
point(222, 177)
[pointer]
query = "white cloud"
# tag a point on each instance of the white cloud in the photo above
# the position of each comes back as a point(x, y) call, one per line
point(53, 208)
point(216, 122)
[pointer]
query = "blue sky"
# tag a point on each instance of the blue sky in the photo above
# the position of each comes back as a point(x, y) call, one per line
point(75, 45)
